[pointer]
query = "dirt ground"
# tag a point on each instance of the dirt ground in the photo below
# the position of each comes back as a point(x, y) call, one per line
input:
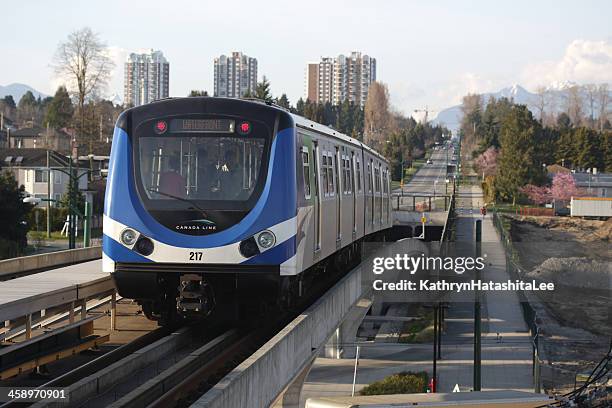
point(575, 319)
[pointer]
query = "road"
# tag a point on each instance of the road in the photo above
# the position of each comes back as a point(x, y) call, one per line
point(430, 177)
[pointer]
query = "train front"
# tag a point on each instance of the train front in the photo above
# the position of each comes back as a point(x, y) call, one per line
point(200, 206)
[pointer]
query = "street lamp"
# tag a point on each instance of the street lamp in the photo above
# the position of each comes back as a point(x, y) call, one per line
point(446, 190)
point(86, 218)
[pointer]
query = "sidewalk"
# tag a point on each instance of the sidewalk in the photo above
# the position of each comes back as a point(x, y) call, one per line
point(506, 346)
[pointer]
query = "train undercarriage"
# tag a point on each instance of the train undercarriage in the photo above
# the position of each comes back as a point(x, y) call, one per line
point(171, 293)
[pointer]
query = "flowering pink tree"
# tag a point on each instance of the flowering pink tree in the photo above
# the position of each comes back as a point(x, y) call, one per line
point(564, 187)
point(537, 194)
point(486, 163)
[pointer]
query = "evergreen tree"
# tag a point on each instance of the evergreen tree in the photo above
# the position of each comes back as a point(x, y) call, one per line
point(518, 161)
point(283, 101)
point(588, 148)
point(299, 107)
point(262, 91)
point(195, 92)
point(10, 102)
point(60, 109)
point(606, 148)
point(565, 151)
point(13, 213)
point(563, 121)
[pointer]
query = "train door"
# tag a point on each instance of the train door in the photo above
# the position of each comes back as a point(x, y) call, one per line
point(354, 188)
point(338, 195)
point(371, 175)
point(317, 200)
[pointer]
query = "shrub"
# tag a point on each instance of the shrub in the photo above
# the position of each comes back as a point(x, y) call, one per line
point(406, 382)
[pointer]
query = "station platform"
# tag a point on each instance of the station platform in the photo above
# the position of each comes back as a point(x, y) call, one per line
point(67, 285)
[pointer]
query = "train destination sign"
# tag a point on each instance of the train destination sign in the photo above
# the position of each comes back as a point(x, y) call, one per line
point(202, 126)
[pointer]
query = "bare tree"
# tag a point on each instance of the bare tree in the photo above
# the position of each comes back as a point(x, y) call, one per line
point(378, 121)
point(540, 101)
point(603, 103)
point(85, 65)
point(574, 104)
point(590, 92)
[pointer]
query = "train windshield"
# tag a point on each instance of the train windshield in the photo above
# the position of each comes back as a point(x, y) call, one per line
point(201, 168)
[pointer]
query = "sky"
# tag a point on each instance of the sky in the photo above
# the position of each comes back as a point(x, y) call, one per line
point(428, 53)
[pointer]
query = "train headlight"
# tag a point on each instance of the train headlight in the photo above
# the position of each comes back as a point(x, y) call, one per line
point(129, 236)
point(266, 239)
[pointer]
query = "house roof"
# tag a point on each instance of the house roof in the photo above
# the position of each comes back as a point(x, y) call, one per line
point(30, 158)
point(555, 168)
point(37, 131)
point(593, 180)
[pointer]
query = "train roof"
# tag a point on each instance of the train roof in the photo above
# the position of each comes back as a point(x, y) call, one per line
point(300, 121)
point(317, 127)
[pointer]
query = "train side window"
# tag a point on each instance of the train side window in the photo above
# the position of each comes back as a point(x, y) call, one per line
point(333, 164)
point(369, 180)
point(324, 173)
point(306, 169)
point(357, 165)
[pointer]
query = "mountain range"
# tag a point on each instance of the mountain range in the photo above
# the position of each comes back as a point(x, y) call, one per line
point(18, 90)
point(451, 117)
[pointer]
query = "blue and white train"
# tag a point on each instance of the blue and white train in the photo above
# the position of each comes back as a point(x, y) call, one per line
point(217, 202)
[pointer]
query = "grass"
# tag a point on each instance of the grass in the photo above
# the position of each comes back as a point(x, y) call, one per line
point(418, 331)
point(57, 235)
point(406, 382)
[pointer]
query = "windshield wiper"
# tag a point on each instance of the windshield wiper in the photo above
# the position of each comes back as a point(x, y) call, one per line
point(197, 207)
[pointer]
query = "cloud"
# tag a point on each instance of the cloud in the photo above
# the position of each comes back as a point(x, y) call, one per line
point(453, 91)
point(584, 61)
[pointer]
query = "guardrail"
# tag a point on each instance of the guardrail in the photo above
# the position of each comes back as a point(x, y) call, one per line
point(10, 268)
point(420, 203)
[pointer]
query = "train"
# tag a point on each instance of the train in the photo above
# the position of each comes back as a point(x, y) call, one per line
point(226, 203)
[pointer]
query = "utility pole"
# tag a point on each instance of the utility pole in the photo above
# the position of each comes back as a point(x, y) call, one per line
point(477, 318)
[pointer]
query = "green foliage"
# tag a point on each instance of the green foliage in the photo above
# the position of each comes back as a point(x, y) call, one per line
point(60, 111)
point(283, 101)
point(9, 101)
point(262, 91)
point(79, 198)
point(58, 217)
point(26, 100)
point(13, 214)
point(195, 92)
point(406, 382)
point(520, 159)
point(588, 148)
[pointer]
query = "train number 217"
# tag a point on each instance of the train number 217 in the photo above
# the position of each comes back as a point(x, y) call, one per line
point(195, 256)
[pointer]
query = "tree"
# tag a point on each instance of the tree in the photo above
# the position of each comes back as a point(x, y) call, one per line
point(299, 107)
point(537, 194)
point(574, 105)
point(10, 102)
point(486, 163)
point(378, 120)
point(84, 63)
point(563, 121)
point(262, 90)
point(603, 101)
point(587, 147)
point(283, 101)
point(60, 109)
point(519, 162)
point(195, 92)
point(13, 214)
point(564, 187)
point(27, 107)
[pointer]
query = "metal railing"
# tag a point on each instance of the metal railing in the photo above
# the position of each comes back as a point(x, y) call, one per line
point(530, 315)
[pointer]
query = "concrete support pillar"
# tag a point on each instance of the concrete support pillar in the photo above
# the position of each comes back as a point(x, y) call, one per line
point(83, 309)
point(71, 312)
point(333, 347)
point(113, 310)
point(350, 326)
point(290, 398)
point(28, 326)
